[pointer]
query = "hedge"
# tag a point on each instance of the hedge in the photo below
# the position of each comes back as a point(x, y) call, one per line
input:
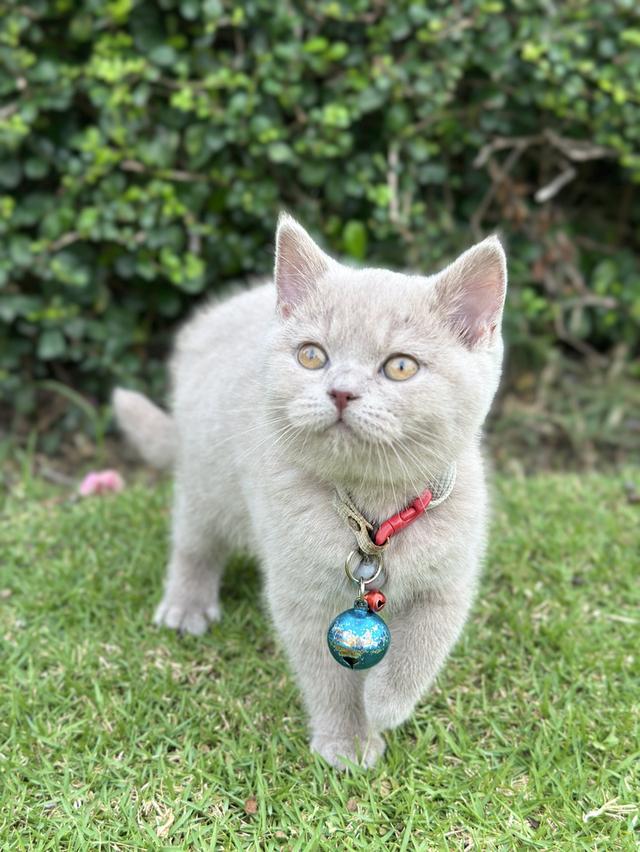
point(147, 147)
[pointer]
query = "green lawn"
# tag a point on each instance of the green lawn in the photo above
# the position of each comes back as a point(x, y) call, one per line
point(113, 733)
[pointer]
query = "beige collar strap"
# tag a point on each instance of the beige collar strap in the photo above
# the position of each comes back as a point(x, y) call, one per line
point(362, 529)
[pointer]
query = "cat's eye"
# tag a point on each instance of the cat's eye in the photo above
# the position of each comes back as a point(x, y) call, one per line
point(398, 368)
point(312, 356)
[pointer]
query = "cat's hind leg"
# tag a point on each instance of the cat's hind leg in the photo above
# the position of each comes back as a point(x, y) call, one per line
point(198, 554)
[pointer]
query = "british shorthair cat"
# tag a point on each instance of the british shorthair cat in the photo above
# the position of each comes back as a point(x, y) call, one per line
point(371, 382)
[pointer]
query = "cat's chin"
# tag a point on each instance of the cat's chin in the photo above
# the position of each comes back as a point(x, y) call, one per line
point(345, 440)
point(338, 455)
point(331, 453)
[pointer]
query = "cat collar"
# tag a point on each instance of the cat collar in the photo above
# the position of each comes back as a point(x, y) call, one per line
point(358, 638)
point(372, 543)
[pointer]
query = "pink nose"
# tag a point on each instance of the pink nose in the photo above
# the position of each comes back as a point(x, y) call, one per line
point(342, 398)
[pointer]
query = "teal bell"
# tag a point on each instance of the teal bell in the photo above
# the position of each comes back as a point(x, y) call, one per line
point(358, 638)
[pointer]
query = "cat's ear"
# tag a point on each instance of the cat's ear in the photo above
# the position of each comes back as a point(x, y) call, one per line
point(299, 264)
point(470, 292)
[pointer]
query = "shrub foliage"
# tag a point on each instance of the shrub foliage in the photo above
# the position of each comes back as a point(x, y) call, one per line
point(146, 148)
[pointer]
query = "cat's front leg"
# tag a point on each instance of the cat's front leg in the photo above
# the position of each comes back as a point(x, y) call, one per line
point(421, 638)
point(333, 695)
point(190, 600)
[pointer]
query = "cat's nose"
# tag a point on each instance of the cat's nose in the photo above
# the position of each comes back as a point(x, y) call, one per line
point(342, 399)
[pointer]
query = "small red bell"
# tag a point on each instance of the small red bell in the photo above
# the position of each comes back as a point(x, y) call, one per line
point(375, 600)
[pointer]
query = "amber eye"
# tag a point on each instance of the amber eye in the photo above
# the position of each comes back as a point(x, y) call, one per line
point(400, 367)
point(312, 356)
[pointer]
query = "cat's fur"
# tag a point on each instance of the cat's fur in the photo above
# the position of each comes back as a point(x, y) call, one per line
point(257, 453)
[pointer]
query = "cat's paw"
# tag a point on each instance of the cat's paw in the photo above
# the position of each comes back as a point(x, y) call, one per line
point(186, 616)
point(343, 751)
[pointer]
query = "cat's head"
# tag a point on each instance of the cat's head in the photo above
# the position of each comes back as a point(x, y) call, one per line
point(377, 375)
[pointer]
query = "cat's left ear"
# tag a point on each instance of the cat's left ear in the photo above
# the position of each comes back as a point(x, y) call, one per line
point(300, 263)
point(470, 292)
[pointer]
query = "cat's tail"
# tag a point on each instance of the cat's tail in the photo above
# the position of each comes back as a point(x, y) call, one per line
point(148, 429)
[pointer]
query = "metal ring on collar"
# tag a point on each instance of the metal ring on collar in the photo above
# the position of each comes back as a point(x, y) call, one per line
point(350, 565)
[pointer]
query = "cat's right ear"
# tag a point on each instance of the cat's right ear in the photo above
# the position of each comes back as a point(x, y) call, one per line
point(471, 291)
point(299, 264)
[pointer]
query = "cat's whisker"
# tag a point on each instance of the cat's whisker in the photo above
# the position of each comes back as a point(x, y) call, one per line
point(265, 440)
point(428, 441)
point(391, 477)
point(268, 438)
point(366, 471)
point(236, 436)
point(416, 489)
point(427, 464)
point(429, 468)
point(427, 472)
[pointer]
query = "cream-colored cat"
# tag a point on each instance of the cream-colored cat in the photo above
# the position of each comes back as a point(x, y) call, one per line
point(283, 393)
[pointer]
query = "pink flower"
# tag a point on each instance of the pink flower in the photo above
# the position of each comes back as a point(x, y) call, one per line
point(101, 481)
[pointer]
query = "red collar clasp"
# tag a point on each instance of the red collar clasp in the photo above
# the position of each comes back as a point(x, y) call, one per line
point(398, 522)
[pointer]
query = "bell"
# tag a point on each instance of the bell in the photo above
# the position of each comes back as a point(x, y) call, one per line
point(358, 638)
point(375, 600)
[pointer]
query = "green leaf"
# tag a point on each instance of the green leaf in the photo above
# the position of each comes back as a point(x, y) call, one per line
point(279, 152)
point(335, 115)
point(163, 54)
point(354, 238)
point(51, 344)
point(10, 172)
point(20, 250)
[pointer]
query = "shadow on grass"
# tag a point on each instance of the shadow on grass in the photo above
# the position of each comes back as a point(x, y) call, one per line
point(241, 580)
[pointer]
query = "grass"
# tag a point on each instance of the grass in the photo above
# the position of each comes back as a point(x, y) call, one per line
point(115, 735)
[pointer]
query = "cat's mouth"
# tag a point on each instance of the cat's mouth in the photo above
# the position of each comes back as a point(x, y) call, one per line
point(339, 425)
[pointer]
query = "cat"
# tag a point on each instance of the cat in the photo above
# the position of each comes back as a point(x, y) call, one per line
point(331, 376)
